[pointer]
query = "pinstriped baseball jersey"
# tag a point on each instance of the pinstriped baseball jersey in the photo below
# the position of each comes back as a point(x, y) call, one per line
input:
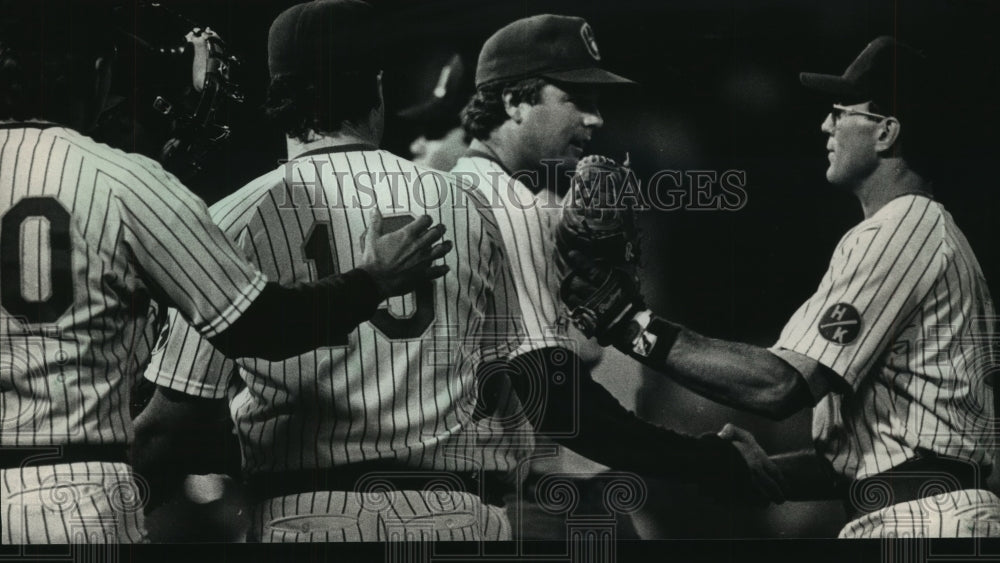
point(526, 222)
point(402, 385)
point(91, 236)
point(904, 316)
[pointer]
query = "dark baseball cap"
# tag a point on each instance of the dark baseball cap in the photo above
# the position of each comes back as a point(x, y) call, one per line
point(562, 48)
point(886, 72)
point(314, 38)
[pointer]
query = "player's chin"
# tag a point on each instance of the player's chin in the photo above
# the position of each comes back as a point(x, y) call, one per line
point(834, 177)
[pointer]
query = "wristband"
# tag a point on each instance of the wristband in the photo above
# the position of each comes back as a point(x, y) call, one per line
point(649, 337)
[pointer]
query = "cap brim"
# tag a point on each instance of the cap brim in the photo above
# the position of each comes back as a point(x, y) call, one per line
point(836, 87)
point(591, 75)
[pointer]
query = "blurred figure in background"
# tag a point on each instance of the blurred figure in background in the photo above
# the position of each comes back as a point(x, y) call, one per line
point(440, 140)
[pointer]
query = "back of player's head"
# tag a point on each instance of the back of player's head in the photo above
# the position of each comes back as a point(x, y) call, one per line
point(898, 81)
point(324, 58)
point(48, 50)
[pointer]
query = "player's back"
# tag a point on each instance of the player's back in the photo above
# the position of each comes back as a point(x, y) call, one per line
point(75, 320)
point(402, 386)
point(90, 238)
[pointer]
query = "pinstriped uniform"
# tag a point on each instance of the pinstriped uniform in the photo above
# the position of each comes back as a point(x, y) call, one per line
point(908, 326)
point(403, 385)
point(526, 222)
point(81, 502)
point(91, 236)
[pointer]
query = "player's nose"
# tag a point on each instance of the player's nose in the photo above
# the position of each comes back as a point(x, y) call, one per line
point(592, 118)
point(827, 125)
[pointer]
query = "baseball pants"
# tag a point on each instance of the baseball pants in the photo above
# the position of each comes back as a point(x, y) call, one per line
point(83, 502)
point(338, 516)
point(967, 513)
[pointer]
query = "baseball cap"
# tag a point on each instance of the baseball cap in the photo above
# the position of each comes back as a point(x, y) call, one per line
point(884, 72)
point(562, 48)
point(313, 38)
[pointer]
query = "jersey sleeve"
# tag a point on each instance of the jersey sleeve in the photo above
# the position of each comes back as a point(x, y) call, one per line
point(185, 361)
point(877, 278)
point(180, 252)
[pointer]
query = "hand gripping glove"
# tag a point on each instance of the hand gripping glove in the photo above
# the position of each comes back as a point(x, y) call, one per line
point(597, 250)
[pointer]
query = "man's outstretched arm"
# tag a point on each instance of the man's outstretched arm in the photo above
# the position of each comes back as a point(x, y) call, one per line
point(605, 303)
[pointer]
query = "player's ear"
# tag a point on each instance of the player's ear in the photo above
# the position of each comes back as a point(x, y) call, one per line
point(887, 133)
point(513, 110)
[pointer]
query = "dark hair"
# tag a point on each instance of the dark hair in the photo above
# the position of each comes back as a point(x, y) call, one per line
point(485, 111)
point(49, 75)
point(298, 104)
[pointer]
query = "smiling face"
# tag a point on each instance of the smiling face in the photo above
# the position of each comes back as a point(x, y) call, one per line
point(561, 124)
point(850, 145)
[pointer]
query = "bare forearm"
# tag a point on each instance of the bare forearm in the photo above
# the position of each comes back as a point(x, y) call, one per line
point(735, 374)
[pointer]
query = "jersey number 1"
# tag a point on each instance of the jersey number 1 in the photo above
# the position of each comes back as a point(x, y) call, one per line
point(319, 249)
point(59, 297)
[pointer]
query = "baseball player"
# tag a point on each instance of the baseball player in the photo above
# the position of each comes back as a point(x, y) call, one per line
point(386, 434)
point(894, 347)
point(536, 100)
point(94, 243)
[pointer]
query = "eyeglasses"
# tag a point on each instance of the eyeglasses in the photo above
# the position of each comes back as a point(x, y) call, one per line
point(840, 111)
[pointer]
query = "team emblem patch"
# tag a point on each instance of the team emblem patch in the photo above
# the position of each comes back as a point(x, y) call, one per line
point(589, 41)
point(841, 324)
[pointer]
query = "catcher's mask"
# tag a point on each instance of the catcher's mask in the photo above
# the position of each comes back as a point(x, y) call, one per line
point(167, 102)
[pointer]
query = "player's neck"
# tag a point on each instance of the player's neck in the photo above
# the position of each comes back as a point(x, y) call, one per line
point(508, 148)
point(891, 180)
point(345, 136)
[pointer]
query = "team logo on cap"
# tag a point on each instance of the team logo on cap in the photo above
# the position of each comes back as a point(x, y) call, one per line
point(840, 324)
point(587, 34)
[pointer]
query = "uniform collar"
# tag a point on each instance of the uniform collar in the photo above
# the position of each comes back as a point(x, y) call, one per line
point(27, 124)
point(338, 148)
point(489, 155)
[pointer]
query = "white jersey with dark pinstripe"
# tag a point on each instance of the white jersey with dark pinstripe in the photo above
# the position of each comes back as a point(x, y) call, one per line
point(90, 237)
point(907, 318)
point(403, 385)
point(527, 222)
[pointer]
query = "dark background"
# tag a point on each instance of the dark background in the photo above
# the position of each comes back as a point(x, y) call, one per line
point(719, 91)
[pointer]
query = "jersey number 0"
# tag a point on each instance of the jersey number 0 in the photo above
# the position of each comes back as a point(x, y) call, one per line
point(58, 299)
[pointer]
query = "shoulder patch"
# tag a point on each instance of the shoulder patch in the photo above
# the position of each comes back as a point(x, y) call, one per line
point(841, 324)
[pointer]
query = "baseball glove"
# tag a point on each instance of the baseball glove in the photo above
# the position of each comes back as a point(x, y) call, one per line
point(597, 250)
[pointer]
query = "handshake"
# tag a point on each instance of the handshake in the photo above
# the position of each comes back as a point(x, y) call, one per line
point(597, 257)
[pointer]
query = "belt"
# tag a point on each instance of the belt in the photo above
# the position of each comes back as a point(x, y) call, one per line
point(377, 476)
point(13, 457)
point(925, 476)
